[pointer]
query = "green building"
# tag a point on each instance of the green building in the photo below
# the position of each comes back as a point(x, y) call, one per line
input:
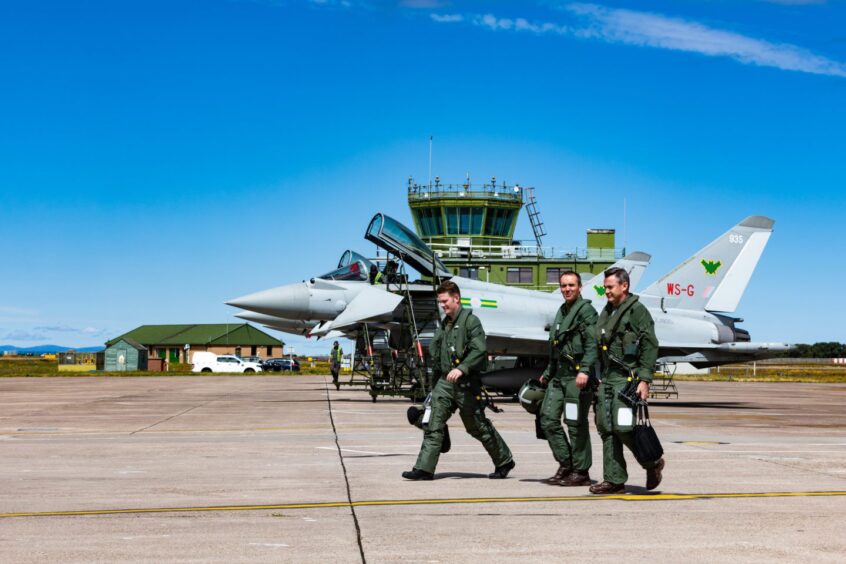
point(471, 228)
point(125, 355)
point(175, 343)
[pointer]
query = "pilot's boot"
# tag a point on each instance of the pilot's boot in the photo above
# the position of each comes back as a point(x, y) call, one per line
point(575, 478)
point(563, 470)
point(501, 472)
point(416, 474)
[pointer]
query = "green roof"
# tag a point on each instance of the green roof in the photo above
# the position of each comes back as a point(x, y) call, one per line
point(131, 342)
point(210, 334)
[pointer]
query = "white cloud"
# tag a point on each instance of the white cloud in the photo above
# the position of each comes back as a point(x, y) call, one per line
point(341, 3)
point(86, 331)
point(447, 18)
point(646, 29)
point(20, 335)
point(421, 3)
point(57, 329)
point(518, 24)
point(655, 30)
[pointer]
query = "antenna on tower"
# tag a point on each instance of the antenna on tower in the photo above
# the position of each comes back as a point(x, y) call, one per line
point(430, 162)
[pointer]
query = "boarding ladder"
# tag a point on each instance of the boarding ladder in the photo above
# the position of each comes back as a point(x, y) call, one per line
point(399, 368)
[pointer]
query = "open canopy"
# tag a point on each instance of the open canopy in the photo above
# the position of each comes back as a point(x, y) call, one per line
point(394, 237)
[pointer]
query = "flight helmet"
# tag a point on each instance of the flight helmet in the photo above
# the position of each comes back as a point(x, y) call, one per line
point(531, 396)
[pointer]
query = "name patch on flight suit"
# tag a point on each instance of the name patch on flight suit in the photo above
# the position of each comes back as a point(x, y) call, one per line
point(625, 416)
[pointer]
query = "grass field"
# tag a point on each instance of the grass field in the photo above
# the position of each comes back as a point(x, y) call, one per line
point(40, 368)
point(822, 373)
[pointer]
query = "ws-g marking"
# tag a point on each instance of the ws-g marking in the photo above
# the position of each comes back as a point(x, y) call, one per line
point(678, 290)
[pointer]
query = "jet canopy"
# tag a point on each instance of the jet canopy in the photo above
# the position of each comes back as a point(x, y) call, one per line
point(351, 266)
point(394, 237)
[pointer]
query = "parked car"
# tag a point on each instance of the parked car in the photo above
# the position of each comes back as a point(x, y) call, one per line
point(256, 359)
point(279, 364)
point(211, 362)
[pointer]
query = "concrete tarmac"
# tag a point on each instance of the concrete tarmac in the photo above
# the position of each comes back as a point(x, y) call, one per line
point(285, 469)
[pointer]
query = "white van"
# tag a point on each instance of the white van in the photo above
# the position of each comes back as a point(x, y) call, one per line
point(211, 362)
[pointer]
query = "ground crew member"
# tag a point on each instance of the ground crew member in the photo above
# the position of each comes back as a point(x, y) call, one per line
point(459, 354)
point(628, 349)
point(572, 355)
point(375, 275)
point(335, 357)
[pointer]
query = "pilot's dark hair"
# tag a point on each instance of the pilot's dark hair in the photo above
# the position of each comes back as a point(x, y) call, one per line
point(569, 272)
point(449, 287)
point(620, 274)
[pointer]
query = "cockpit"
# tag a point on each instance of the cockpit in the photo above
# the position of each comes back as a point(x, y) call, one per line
point(351, 266)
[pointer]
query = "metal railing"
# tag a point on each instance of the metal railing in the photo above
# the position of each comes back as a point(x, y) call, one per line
point(475, 251)
point(464, 190)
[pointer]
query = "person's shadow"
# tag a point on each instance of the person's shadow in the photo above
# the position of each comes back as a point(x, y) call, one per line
point(459, 475)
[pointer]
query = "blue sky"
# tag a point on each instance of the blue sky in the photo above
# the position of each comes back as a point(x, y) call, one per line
point(159, 158)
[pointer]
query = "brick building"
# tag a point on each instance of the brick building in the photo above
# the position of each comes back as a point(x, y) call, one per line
point(175, 343)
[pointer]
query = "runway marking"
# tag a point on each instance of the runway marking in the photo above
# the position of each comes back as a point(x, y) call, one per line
point(443, 501)
point(700, 443)
point(350, 450)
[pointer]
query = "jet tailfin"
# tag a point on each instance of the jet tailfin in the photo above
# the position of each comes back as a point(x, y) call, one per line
point(634, 263)
point(715, 278)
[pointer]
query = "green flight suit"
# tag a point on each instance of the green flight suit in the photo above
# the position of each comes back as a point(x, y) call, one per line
point(459, 344)
point(335, 358)
point(572, 349)
point(627, 334)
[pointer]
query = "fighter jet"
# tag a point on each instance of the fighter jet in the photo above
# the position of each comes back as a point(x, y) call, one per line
point(292, 326)
point(690, 305)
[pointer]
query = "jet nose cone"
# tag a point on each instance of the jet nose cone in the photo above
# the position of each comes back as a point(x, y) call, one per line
point(290, 301)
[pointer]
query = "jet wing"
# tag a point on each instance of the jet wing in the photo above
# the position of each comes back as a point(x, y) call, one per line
point(526, 334)
point(371, 303)
point(525, 340)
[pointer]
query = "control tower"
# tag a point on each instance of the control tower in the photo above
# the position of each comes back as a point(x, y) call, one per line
point(471, 228)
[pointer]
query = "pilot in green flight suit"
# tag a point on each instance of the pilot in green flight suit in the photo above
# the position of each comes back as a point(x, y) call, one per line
point(336, 356)
point(572, 354)
point(459, 355)
point(627, 348)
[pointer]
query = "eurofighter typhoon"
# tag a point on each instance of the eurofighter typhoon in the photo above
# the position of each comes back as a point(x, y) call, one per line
point(392, 318)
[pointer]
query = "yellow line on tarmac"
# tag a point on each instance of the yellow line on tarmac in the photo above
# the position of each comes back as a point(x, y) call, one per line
point(442, 501)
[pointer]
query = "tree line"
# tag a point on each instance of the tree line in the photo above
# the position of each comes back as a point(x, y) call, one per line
point(831, 349)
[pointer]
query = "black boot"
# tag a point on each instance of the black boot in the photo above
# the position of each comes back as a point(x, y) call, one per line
point(416, 474)
point(501, 472)
point(562, 472)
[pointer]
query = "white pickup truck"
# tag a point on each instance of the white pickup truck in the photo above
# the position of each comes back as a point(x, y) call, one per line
point(211, 362)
